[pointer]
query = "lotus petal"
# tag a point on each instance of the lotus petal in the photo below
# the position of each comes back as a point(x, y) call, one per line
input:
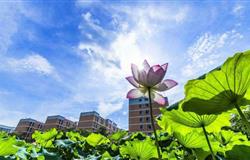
point(135, 72)
point(135, 93)
point(165, 66)
point(132, 81)
point(142, 78)
point(158, 98)
point(146, 66)
point(165, 85)
point(155, 75)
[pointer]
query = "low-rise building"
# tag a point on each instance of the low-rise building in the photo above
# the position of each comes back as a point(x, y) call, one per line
point(92, 121)
point(7, 129)
point(26, 127)
point(59, 122)
point(139, 115)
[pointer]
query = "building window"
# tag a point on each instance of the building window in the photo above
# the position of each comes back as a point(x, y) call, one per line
point(141, 119)
point(141, 127)
point(146, 99)
point(149, 127)
point(39, 126)
point(140, 112)
point(146, 105)
point(139, 105)
point(140, 100)
point(60, 121)
point(147, 111)
point(147, 119)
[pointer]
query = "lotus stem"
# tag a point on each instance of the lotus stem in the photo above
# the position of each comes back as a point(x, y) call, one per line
point(208, 142)
point(153, 125)
point(243, 117)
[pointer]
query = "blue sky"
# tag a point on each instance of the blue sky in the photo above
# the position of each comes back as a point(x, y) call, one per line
point(73, 56)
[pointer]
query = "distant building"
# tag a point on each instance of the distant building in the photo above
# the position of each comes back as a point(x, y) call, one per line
point(139, 115)
point(7, 129)
point(92, 121)
point(59, 122)
point(26, 127)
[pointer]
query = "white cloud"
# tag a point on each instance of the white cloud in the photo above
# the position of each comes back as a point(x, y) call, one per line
point(205, 52)
point(31, 63)
point(93, 23)
point(106, 108)
point(181, 15)
point(125, 113)
point(135, 40)
point(238, 9)
point(10, 20)
point(9, 26)
point(11, 16)
point(155, 13)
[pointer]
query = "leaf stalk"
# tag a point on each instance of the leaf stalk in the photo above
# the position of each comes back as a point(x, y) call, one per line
point(208, 142)
point(153, 124)
point(243, 117)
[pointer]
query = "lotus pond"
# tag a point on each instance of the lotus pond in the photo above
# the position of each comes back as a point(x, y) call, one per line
point(212, 122)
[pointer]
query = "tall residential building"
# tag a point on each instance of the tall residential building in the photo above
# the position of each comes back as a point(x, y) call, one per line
point(92, 121)
point(139, 115)
point(26, 127)
point(59, 122)
point(7, 129)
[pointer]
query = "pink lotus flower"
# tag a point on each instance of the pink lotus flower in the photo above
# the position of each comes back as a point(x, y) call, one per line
point(149, 78)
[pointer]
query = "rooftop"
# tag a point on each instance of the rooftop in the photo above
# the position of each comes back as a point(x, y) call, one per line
point(90, 113)
point(56, 117)
point(6, 127)
point(29, 120)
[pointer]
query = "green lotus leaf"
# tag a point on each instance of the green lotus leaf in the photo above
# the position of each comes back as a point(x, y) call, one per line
point(75, 136)
point(45, 139)
point(33, 152)
point(200, 154)
point(221, 89)
point(45, 154)
point(118, 135)
point(3, 134)
point(114, 147)
point(228, 139)
point(169, 155)
point(180, 121)
point(139, 150)
point(8, 146)
point(197, 140)
point(37, 135)
point(135, 135)
point(96, 139)
point(106, 156)
point(239, 152)
point(64, 143)
point(22, 153)
point(59, 135)
point(192, 139)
